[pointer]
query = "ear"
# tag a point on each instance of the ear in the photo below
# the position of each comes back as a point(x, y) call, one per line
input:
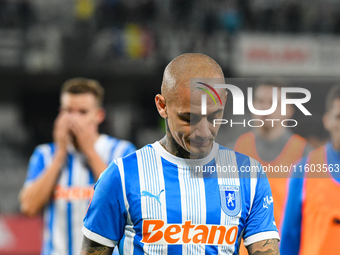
point(225, 97)
point(325, 121)
point(161, 106)
point(101, 114)
point(289, 111)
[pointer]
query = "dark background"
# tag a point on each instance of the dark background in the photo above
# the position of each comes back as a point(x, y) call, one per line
point(125, 45)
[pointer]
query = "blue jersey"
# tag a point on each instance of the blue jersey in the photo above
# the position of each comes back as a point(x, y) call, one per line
point(74, 188)
point(155, 203)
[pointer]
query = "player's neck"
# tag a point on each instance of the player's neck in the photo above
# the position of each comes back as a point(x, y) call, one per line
point(169, 144)
point(336, 145)
point(271, 133)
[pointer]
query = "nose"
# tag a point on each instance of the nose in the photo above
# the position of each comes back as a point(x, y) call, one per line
point(74, 114)
point(202, 129)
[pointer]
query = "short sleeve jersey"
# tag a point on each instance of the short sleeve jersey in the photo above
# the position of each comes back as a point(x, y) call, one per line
point(74, 188)
point(152, 202)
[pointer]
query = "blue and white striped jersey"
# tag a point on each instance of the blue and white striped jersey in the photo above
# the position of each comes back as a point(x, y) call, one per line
point(64, 213)
point(152, 202)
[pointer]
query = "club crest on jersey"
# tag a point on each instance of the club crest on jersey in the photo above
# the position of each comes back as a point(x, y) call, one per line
point(230, 199)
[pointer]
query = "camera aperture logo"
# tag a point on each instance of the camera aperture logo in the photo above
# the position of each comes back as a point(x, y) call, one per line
point(238, 104)
point(204, 97)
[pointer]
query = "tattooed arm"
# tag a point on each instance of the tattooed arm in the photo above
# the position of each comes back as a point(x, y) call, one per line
point(265, 247)
point(90, 247)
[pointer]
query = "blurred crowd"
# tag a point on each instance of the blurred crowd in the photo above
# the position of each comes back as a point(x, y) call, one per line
point(72, 34)
point(231, 15)
point(125, 44)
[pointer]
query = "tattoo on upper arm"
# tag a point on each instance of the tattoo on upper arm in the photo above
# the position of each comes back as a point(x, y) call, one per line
point(93, 248)
point(270, 241)
point(265, 247)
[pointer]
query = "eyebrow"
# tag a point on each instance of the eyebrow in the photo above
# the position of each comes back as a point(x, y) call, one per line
point(184, 113)
point(217, 111)
point(188, 113)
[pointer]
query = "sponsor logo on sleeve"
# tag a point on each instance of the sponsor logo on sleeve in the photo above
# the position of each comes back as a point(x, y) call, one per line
point(267, 201)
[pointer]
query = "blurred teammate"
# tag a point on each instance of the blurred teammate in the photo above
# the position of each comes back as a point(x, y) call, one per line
point(160, 204)
point(312, 217)
point(61, 175)
point(273, 144)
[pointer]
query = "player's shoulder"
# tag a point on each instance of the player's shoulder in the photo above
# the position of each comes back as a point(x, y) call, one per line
point(298, 137)
point(114, 140)
point(45, 148)
point(121, 164)
point(299, 169)
point(133, 155)
point(245, 138)
point(124, 163)
point(249, 134)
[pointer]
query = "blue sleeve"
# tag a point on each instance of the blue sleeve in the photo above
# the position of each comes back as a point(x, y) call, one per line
point(291, 225)
point(260, 224)
point(131, 148)
point(106, 214)
point(35, 166)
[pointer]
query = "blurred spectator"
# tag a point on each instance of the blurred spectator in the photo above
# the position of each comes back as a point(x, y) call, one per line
point(273, 144)
point(231, 18)
point(311, 224)
point(84, 13)
point(84, 9)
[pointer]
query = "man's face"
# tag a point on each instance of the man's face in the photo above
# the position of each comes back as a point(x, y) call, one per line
point(263, 100)
point(82, 108)
point(332, 122)
point(193, 131)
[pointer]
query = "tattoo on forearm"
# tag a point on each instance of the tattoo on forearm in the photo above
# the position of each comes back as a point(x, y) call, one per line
point(266, 247)
point(93, 248)
point(96, 250)
point(268, 252)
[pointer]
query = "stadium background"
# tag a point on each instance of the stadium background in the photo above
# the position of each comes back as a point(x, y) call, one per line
point(125, 44)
